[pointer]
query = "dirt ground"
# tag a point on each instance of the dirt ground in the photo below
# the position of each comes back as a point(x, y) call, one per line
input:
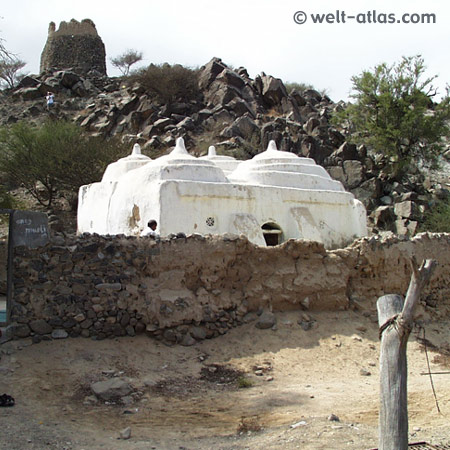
point(248, 389)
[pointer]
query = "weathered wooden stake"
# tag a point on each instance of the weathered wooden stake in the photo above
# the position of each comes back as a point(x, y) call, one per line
point(395, 319)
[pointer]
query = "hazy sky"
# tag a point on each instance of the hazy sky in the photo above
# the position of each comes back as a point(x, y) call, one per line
point(260, 35)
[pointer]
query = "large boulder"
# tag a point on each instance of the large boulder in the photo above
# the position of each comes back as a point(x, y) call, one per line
point(273, 90)
point(210, 71)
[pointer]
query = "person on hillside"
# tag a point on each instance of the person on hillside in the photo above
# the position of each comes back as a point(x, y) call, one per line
point(50, 97)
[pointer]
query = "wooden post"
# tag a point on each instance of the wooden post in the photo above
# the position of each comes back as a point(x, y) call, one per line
point(395, 319)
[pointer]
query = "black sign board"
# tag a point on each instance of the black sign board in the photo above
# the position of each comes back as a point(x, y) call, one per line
point(28, 228)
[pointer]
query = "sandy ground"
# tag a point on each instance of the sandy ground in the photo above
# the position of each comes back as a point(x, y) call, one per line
point(188, 397)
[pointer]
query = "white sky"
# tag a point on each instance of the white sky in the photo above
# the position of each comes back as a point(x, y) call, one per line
point(260, 35)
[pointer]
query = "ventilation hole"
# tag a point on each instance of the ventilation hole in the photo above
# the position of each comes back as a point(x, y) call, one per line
point(210, 221)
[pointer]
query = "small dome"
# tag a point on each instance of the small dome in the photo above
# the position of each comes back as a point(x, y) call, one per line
point(226, 163)
point(180, 165)
point(116, 169)
point(284, 169)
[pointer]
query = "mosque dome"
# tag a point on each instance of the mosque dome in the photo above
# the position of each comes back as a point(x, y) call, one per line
point(284, 169)
point(116, 169)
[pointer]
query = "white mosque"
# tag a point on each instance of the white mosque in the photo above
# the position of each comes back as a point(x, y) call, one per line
point(270, 198)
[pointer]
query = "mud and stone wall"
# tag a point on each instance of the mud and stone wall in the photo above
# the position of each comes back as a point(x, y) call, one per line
point(185, 288)
point(74, 45)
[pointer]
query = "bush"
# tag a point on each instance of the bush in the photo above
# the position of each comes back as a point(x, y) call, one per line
point(6, 199)
point(244, 383)
point(168, 84)
point(437, 219)
point(54, 159)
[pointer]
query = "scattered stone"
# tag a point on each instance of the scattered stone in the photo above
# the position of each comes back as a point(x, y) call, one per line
point(125, 433)
point(364, 373)
point(333, 418)
point(298, 424)
point(187, 340)
point(59, 334)
point(266, 320)
point(90, 400)
point(127, 400)
point(111, 389)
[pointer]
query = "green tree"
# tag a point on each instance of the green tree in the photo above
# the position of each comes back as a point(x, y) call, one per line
point(54, 159)
point(393, 114)
point(126, 60)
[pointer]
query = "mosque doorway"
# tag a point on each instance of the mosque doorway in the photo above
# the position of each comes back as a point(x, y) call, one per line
point(273, 235)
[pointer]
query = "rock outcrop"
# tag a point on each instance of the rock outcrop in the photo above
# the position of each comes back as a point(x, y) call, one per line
point(239, 115)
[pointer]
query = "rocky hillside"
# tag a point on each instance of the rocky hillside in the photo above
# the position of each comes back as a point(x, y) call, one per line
point(239, 115)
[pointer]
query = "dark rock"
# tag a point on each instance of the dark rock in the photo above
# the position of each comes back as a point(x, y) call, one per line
point(311, 125)
point(354, 173)
point(187, 124)
point(20, 330)
point(210, 71)
point(273, 90)
point(266, 320)
point(384, 217)
point(69, 79)
point(368, 191)
point(27, 82)
point(170, 335)
point(160, 124)
point(246, 127)
point(240, 107)
point(231, 78)
point(312, 96)
point(30, 93)
point(346, 151)
point(198, 333)
point(40, 326)
point(187, 340)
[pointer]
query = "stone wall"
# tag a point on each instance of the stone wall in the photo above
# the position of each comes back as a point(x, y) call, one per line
point(74, 45)
point(185, 288)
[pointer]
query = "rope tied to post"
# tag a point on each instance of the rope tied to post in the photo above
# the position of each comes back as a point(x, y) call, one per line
point(387, 324)
point(398, 324)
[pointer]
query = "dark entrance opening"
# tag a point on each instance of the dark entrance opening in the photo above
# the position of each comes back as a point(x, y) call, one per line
point(272, 234)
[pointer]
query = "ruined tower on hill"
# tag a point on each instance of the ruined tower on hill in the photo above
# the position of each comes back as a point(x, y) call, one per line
point(74, 45)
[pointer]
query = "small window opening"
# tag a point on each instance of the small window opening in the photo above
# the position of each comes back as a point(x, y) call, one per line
point(272, 234)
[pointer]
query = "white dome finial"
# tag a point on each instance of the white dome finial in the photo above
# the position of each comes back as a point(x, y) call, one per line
point(136, 149)
point(212, 151)
point(272, 146)
point(179, 149)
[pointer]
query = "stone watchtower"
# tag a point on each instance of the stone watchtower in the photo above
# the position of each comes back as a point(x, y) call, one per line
point(74, 45)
